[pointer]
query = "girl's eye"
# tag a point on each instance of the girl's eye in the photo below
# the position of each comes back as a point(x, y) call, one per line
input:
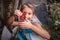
point(29, 13)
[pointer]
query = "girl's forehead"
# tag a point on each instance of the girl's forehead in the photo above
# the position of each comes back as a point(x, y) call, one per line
point(28, 11)
point(26, 8)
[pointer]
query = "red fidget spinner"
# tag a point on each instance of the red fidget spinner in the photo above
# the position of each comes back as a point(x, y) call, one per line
point(23, 16)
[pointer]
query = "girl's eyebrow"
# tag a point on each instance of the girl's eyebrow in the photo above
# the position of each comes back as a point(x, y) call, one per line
point(24, 12)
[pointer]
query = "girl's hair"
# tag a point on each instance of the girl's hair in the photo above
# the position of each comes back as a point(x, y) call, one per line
point(28, 5)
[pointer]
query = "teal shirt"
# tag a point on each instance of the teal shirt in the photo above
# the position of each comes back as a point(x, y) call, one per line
point(31, 35)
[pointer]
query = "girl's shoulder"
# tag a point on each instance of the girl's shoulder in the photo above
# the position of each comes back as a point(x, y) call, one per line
point(35, 19)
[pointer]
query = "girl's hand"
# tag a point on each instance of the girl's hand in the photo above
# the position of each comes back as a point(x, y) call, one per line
point(17, 12)
point(25, 24)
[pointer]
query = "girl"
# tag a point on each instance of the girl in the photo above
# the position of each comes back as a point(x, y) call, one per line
point(31, 28)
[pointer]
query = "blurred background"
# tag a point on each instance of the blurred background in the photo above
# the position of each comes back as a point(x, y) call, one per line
point(47, 11)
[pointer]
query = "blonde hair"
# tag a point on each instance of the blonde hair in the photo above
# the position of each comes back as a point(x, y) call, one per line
point(28, 5)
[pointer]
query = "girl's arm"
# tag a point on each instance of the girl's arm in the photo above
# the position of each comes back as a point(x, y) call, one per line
point(36, 27)
point(11, 21)
point(40, 31)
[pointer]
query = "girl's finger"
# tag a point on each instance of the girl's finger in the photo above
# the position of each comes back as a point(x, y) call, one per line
point(27, 20)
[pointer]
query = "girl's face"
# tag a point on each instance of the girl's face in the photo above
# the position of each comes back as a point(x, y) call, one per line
point(29, 13)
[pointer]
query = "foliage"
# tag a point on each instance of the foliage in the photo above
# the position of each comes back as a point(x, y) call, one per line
point(54, 23)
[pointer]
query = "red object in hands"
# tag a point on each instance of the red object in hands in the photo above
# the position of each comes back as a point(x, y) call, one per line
point(23, 16)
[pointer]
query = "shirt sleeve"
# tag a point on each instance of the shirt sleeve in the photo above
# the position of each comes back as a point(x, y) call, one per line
point(35, 19)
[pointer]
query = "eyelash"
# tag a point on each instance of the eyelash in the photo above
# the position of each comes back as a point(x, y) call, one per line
point(29, 13)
